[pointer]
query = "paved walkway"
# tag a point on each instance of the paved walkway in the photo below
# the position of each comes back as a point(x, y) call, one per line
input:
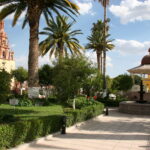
point(114, 132)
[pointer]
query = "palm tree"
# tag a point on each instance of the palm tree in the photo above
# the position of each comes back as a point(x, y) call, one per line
point(34, 9)
point(97, 42)
point(60, 38)
point(104, 3)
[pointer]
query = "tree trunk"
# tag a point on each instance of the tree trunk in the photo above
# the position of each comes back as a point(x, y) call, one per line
point(61, 51)
point(98, 61)
point(33, 78)
point(104, 53)
point(101, 64)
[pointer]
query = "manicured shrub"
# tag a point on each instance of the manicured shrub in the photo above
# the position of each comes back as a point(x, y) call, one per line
point(112, 103)
point(25, 102)
point(7, 118)
point(19, 132)
point(5, 80)
point(79, 115)
point(81, 102)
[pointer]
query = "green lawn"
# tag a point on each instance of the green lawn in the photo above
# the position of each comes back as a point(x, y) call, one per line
point(25, 113)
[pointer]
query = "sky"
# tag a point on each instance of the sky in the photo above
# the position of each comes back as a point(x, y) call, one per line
point(129, 27)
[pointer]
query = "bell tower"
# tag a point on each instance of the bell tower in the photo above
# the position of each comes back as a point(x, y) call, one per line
point(6, 54)
point(1, 26)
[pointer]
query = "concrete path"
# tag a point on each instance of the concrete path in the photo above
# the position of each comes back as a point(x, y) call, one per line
point(114, 132)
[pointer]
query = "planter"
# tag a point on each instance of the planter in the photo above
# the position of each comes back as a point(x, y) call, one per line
point(13, 101)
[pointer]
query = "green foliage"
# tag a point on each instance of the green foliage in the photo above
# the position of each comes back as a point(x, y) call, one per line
point(137, 79)
point(5, 80)
point(79, 115)
point(45, 75)
point(70, 76)
point(28, 113)
point(95, 84)
point(16, 133)
point(10, 7)
point(81, 102)
point(7, 118)
point(99, 41)
point(112, 103)
point(25, 102)
point(20, 74)
point(61, 38)
point(19, 132)
point(122, 83)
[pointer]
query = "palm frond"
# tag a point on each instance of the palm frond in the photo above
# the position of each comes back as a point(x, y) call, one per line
point(7, 10)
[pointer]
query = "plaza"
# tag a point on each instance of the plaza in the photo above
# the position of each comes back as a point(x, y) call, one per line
point(117, 131)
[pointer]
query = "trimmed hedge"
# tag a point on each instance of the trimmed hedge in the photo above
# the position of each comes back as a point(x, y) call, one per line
point(24, 131)
point(112, 103)
point(15, 133)
point(79, 115)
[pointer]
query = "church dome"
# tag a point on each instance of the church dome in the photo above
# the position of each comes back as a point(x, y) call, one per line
point(146, 59)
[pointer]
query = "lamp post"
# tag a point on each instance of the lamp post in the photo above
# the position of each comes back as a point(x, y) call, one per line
point(141, 92)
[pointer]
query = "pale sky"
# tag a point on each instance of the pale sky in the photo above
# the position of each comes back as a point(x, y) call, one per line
point(129, 26)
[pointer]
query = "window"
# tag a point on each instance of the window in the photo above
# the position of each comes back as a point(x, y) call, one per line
point(4, 55)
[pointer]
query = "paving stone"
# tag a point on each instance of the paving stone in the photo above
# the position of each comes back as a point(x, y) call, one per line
point(114, 132)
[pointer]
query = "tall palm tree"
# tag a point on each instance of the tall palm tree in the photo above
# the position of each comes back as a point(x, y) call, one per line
point(97, 42)
point(34, 9)
point(60, 38)
point(104, 3)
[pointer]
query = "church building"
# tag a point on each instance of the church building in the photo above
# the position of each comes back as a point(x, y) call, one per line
point(6, 54)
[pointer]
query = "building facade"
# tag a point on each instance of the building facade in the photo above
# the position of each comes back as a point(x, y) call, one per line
point(6, 54)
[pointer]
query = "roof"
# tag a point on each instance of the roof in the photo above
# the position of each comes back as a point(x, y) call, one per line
point(142, 69)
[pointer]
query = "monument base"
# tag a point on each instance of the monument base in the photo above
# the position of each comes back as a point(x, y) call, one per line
point(132, 107)
point(33, 92)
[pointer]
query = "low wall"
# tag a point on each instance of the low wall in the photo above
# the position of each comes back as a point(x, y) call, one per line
point(131, 107)
point(134, 96)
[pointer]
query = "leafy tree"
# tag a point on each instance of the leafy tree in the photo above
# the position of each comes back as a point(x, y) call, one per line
point(104, 3)
point(96, 42)
point(33, 10)
point(137, 79)
point(95, 84)
point(45, 75)
point(5, 81)
point(20, 74)
point(122, 83)
point(70, 75)
point(61, 38)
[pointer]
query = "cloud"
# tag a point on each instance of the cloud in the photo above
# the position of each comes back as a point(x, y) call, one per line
point(46, 60)
point(131, 10)
point(92, 57)
point(85, 7)
point(23, 60)
point(131, 47)
point(12, 46)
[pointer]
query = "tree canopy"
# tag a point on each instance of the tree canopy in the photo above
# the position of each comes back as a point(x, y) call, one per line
point(20, 74)
point(70, 75)
point(122, 82)
point(5, 81)
point(60, 39)
point(46, 75)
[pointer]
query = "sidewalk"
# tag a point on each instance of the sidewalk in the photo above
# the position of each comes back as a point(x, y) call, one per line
point(114, 132)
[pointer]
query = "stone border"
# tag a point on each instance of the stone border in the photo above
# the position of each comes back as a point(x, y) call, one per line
point(132, 107)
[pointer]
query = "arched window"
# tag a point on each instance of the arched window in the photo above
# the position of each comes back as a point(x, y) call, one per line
point(12, 57)
point(4, 55)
